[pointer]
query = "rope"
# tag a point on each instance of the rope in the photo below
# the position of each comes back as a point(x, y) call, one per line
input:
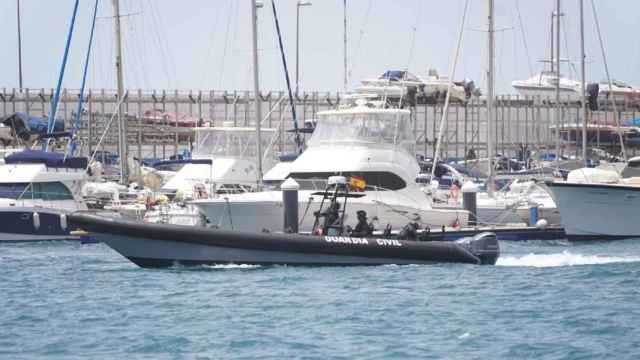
point(606, 68)
point(452, 72)
point(524, 38)
point(113, 116)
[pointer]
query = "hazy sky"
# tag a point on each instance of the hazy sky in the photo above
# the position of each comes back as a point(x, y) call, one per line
point(205, 44)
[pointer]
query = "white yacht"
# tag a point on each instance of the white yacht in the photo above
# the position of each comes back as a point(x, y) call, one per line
point(36, 189)
point(544, 86)
point(358, 140)
point(620, 91)
point(223, 161)
point(598, 204)
point(394, 84)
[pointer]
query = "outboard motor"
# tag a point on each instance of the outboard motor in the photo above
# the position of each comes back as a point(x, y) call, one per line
point(410, 98)
point(469, 87)
point(593, 90)
point(483, 245)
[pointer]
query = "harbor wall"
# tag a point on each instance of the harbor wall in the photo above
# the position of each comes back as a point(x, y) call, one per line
point(520, 121)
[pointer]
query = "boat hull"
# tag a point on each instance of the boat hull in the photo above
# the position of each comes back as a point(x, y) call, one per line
point(597, 211)
point(154, 245)
point(19, 224)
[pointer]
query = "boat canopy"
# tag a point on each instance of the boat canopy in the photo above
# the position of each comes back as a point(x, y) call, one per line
point(230, 142)
point(50, 159)
point(25, 125)
point(366, 127)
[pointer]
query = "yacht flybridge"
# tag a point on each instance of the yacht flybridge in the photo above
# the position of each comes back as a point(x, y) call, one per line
point(361, 140)
point(224, 160)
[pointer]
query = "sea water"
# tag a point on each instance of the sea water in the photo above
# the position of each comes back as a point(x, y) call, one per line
point(543, 300)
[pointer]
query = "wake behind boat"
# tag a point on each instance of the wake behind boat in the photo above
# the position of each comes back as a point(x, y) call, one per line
point(163, 245)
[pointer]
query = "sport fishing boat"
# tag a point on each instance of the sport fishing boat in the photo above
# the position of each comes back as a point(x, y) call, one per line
point(37, 189)
point(598, 204)
point(223, 162)
point(363, 141)
point(158, 245)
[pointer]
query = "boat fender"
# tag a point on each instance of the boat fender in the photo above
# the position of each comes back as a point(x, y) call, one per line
point(63, 222)
point(542, 224)
point(36, 221)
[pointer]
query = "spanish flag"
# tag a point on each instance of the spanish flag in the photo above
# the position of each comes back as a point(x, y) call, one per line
point(357, 183)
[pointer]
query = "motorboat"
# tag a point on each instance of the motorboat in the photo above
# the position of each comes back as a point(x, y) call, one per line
point(160, 246)
point(397, 84)
point(392, 84)
point(363, 140)
point(598, 204)
point(37, 189)
point(223, 162)
point(543, 85)
point(618, 91)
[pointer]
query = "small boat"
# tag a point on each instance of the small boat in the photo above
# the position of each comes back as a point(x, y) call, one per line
point(161, 246)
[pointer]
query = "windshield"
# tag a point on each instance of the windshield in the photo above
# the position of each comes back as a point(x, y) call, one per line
point(366, 128)
point(398, 75)
point(229, 143)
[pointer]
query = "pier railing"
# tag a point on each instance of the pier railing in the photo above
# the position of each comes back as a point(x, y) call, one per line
point(521, 122)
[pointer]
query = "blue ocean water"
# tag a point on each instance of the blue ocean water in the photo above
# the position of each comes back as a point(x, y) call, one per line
point(549, 300)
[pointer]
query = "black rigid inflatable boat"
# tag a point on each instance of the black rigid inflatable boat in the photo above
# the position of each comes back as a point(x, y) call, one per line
point(159, 245)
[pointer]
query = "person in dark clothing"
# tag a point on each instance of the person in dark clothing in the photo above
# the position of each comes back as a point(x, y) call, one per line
point(363, 227)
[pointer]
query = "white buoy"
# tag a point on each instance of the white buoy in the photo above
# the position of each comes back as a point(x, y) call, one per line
point(63, 222)
point(542, 224)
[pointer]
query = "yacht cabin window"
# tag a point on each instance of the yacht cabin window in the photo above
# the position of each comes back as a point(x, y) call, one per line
point(374, 180)
point(229, 143)
point(41, 191)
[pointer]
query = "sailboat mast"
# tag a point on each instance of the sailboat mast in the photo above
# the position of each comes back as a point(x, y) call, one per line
point(583, 84)
point(344, 16)
point(19, 46)
point(490, 96)
point(122, 125)
point(256, 88)
point(557, 153)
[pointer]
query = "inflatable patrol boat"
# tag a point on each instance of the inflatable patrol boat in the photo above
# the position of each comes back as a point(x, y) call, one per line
point(160, 245)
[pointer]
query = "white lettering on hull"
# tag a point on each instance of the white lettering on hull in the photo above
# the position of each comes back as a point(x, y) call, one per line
point(388, 242)
point(346, 240)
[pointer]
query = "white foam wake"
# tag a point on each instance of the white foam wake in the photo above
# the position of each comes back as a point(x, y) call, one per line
point(230, 266)
point(564, 258)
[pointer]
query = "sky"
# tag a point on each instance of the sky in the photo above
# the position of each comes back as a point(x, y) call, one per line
point(206, 44)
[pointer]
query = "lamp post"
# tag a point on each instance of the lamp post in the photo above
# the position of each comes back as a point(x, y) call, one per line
point(298, 5)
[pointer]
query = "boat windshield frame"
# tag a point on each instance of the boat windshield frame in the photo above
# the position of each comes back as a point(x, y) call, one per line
point(369, 127)
point(229, 142)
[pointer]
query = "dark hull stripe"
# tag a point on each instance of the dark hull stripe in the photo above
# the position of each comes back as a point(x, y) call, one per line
point(167, 263)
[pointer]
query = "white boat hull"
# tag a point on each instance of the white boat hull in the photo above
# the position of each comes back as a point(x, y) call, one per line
point(598, 211)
